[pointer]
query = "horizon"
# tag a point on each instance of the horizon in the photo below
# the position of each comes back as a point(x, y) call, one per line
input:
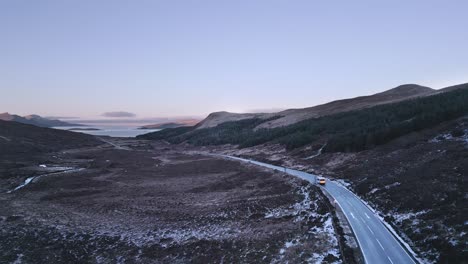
point(130, 119)
point(180, 59)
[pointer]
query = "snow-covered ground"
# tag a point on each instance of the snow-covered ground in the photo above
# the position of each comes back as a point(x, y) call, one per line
point(448, 136)
point(326, 243)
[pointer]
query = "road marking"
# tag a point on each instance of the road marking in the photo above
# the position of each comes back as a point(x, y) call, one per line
point(335, 187)
point(370, 229)
point(367, 216)
point(380, 244)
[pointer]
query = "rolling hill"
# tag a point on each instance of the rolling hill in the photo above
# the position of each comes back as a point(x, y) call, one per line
point(24, 139)
point(368, 122)
point(291, 116)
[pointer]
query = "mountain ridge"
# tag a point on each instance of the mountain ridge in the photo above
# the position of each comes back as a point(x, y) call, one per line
point(294, 115)
point(174, 124)
point(36, 120)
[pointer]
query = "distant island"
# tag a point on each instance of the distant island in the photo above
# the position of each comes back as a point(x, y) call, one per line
point(181, 123)
point(162, 126)
point(83, 129)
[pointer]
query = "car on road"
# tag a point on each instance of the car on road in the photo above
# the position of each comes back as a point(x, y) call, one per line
point(321, 181)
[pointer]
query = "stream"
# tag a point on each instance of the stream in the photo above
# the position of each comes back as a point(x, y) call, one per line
point(34, 178)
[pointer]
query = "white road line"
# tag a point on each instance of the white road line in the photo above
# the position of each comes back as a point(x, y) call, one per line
point(370, 229)
point(380, 244)
point(337, 188)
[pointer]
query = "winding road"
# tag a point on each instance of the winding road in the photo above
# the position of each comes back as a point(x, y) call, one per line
point(377, 243)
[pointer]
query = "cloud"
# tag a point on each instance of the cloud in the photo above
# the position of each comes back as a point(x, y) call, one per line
point(119, 114)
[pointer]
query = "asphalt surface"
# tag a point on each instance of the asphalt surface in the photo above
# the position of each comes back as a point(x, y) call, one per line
point(377, 243)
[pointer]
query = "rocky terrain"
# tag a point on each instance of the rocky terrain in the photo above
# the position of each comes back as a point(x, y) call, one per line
point(134, 201)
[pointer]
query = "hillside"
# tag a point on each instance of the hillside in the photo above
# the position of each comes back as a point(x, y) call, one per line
point(35, 120)
point(23, 145)
point(408, 159)
point(16, 137)
point(417, 182)
point(217, 118)
point(291, 116)
point(344, 131)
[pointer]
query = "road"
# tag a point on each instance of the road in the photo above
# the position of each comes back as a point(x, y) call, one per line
point(113, 144)
point(377, 243)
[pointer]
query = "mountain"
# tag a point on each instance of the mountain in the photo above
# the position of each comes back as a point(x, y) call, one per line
point(35, 120)
point(346, 125)
point(178, 123)
point(291, 116)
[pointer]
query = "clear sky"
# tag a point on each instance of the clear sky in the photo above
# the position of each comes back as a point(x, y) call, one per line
point(178, 58)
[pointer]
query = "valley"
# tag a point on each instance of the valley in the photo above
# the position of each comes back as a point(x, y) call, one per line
point(137, 201)
point(407, 159)
point(171, 197)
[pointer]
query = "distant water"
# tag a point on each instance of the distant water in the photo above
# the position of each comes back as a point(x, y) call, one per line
point(112, 131)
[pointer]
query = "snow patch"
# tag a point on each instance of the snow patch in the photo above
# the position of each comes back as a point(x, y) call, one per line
point(300, 210)
point(303, 211)
point(448, 136)
point(395, 184)
point(329, 230)
point(212, 232)
point(26, 182)
point(441, 137)
point(19, 259)
point(401, 217)
point(343, 182)
point(287, 245)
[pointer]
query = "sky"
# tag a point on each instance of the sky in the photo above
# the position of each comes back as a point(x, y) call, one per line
point(89, 58)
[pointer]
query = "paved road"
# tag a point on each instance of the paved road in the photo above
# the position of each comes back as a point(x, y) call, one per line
point(377, 244)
